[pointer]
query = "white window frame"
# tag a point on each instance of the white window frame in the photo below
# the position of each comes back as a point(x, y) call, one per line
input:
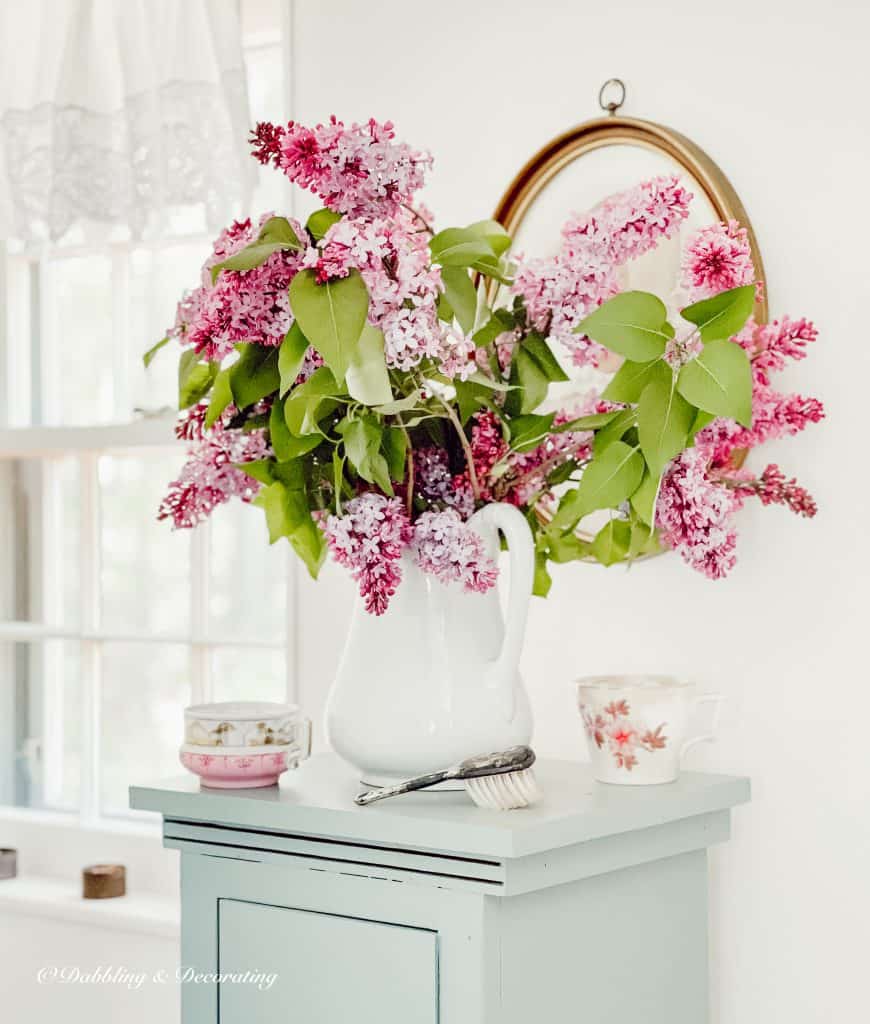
point(29, 308)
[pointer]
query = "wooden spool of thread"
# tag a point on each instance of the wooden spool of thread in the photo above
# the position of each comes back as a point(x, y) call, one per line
point(8, 863)
point(104, 881)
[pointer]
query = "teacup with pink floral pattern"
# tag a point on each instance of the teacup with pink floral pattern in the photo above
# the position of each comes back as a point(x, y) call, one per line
point(639, 727)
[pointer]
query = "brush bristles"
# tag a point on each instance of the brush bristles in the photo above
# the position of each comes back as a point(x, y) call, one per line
point(505, 792)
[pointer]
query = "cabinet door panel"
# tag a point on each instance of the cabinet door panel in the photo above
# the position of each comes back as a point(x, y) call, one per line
point(328, 969)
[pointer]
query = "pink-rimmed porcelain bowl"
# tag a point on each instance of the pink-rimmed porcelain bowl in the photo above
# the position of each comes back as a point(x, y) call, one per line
point(244, 768)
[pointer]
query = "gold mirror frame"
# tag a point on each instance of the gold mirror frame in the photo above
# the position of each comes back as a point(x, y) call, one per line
point(614, 130)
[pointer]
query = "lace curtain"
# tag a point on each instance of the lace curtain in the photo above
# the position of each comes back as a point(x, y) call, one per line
point(120, 112)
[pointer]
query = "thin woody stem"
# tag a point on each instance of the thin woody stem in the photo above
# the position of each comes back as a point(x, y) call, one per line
point(466, 447)
point(409, 497)
point(419, 217)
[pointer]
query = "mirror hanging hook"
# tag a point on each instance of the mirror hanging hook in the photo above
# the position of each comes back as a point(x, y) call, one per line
point(615, 87)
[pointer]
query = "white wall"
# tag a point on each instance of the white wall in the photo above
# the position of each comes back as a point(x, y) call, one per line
point(775, 92)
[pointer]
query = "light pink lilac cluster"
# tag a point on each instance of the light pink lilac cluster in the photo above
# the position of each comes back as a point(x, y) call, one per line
point(356, 169)
point(369, 539)
point(210, 477)
point(560, 291)
point(450, 550)
point(694, 515)
point(373, 531)
point(240, 306)
point(392, 255)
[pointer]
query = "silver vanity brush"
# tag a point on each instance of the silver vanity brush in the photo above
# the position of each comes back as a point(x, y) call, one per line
point(502, 781)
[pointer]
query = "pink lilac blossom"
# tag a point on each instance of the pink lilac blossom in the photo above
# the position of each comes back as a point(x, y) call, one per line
point(488, 447)
point(368, 539)
point(770, 345)
point(452, 551)
point(716, 258)
point(240, 306)
point(560, 291)
point(694, 515)
point(434, 482)
point(772, 488)
point(527, 471)
point(392, 255)
point(457, 355)
point(774, 415)
point(685, 346)
point(356, 169)
point(209, 477)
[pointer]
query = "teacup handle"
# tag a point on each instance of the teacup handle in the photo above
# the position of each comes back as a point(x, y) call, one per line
point(716, 700)
point(304, 736)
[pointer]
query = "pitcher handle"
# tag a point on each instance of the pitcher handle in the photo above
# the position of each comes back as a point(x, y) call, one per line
point(507, 519)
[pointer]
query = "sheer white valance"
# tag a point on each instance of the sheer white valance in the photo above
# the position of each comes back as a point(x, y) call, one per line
point(120, 112)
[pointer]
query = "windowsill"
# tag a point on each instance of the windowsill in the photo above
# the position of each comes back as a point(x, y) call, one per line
point(60, 899)
point(134, 825)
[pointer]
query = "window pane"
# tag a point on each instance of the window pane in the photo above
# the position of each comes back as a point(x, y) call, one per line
point(157, 280)
point(146, 565)
point(249, 674)
point(78, 364)
point(40, 734)
point(39, 541)
point(145, 688)
point(268, 103)
point(248, 591)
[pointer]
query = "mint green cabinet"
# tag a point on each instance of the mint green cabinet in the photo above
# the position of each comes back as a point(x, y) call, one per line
point(590, 907)
point(274, 958)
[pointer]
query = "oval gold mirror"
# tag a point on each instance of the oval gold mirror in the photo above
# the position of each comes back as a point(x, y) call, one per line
point(578, 169)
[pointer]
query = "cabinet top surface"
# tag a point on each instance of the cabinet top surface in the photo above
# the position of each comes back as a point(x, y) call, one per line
point(317, 800)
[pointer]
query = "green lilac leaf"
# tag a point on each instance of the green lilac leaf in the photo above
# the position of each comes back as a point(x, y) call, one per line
point(367, 378)
point(542, 579)
point(260, 470)
point(331, 315)
point(531, 379)
point(148, 357)
point(643, 501)
point(612, 542)
point(615, 429)
point(496, 236)
point(719, 381)
point(664, 420)
point(722, 316)
point(528, 432)
point(630, 379)
point(399, 404)
point(540, 351)
point(395, 448)
point(461, 296)
point(255, 374)
point(194, 378)
point(221, 396)
point(606, 482)
point(459, 247)
point(590, 422)
point(632, 324)
point(291, 355)
point(320, 222)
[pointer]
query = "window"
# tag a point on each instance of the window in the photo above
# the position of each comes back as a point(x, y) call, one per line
point(110, 623)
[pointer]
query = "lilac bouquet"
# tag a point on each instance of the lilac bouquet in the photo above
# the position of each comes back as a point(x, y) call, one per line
point(349, 376)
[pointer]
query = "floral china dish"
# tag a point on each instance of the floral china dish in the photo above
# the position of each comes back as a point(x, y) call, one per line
point(246, 768)
point(639, 727)
point(243, 724)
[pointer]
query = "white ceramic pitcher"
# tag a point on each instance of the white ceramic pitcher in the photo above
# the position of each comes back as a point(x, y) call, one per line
point(434, 680)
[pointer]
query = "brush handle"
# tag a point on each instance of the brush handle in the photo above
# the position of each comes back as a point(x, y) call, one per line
point(421, 782)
